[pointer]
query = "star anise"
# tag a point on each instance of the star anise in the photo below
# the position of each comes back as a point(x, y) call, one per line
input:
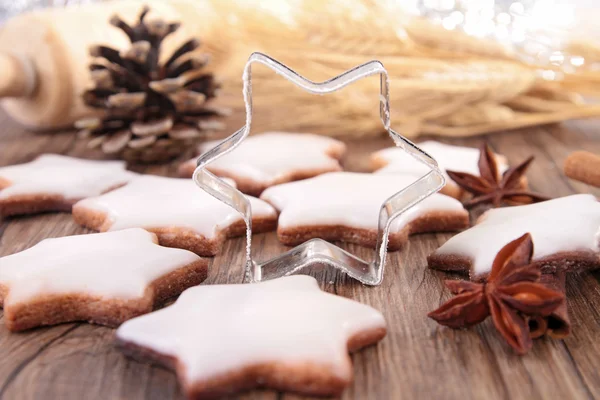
point(493, 187)
point(511, 295)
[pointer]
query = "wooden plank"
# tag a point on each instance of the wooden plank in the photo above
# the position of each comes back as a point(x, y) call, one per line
point(551, 147)
point(418, 358)
point(583, 308)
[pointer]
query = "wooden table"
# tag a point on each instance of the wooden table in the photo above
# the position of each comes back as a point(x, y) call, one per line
point(417, 359)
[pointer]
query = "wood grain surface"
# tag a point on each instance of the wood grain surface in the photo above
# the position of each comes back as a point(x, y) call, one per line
point(417, 360)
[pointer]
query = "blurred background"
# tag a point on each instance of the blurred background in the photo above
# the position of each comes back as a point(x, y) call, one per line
point(458, 67)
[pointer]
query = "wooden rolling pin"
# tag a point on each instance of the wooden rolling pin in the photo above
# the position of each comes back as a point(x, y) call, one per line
point(44, 54)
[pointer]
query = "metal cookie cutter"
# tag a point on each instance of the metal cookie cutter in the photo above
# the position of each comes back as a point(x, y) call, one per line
point(318, 251)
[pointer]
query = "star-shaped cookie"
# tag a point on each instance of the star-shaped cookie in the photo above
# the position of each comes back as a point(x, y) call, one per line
point(180, 213)
point(565, 233)
point(54, 183)
point(284, 334)
point(271, 158)
point(394, 160)
point(104, 278)
point(345, 206)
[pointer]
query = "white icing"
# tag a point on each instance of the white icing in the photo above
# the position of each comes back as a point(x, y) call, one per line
point(217, 329)
point(455, 158)
point(70, 177)
point(348, 199)
point(273, 156)
point(114, 265)
point(159, 202)
point(569, 223)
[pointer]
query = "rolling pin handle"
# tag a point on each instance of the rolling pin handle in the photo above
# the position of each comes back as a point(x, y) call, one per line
point(18, 77)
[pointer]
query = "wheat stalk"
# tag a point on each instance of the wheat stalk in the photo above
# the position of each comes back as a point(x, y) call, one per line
point(445, 83)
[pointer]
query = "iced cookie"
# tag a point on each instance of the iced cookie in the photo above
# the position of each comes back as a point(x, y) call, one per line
point(54, 183)
point(345, 206)
point(179, 212)
point(271, 158)
point(285, 334)
point(455, 158)
point(103, 278)
point(565, 233)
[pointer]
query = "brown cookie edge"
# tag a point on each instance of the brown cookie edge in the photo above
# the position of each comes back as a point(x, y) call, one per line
point(176, 237)
point(61, 308)
point(336, 151)
point(433, 221)
point(305, 378)
point(568, 261)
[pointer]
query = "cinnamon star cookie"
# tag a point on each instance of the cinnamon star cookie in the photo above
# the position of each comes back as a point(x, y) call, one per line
point(178, 211)
point(271, 158)
point(394, 160)
point(103, 278)
point(565, 233)
point(284, 334)
point(345, 206)
point(54, 183)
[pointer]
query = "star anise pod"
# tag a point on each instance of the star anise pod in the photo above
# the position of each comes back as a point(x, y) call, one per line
point(493, 187)
point(511, 295)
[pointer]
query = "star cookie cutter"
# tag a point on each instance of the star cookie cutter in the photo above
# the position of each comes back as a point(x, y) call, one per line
point(318, 251)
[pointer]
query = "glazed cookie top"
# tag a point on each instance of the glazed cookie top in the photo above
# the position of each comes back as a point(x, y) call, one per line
point(216, 329)
point(455, 158)
point(565, 224)
point(348, 199)
point(160, 202)
point(73, 178)
point(116, 264)
point(275, 156)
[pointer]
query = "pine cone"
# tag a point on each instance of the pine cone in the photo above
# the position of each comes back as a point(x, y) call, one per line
point(153, 111)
